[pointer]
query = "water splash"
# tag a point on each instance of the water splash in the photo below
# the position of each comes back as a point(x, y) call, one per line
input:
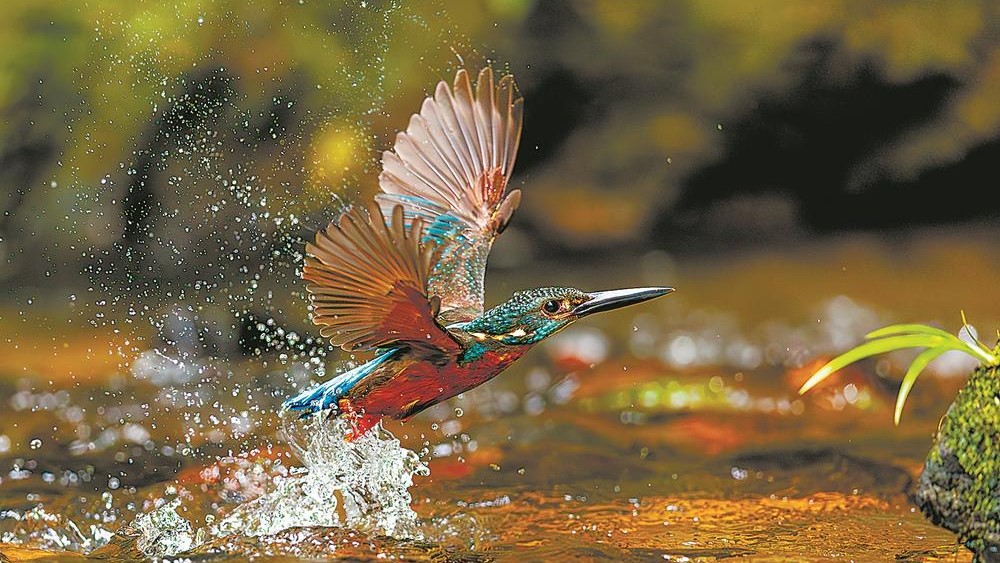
point(362, 485)
point(60, 528)
point(164, 531)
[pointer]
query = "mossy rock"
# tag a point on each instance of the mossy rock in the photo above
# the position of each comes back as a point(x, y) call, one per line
point(959, 488)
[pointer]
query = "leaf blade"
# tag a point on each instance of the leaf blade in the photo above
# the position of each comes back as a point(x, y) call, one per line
point(872, 348)
point(907, 328)
point(918, 365)
point(977, 350)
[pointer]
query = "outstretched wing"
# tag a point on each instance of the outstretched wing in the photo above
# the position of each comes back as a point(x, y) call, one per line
point(368, 284)
point(450, 168)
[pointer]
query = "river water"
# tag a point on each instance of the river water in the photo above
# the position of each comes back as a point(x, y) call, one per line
point(670, 431)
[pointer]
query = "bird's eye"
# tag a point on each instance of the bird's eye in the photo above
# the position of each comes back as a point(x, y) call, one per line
point(551, 306)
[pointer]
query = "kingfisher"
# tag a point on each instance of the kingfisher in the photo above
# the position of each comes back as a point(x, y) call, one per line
point(403, 276)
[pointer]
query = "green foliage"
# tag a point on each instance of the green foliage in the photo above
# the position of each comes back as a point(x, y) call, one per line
point(898, 337)
point(958, 488)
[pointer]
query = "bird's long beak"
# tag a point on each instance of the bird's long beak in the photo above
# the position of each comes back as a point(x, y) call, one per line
point(615, 298)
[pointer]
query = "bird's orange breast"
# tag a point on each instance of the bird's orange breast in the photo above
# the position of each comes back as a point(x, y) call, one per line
point(423, 384)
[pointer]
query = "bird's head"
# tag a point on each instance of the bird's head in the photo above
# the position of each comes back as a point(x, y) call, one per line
point(531, 316)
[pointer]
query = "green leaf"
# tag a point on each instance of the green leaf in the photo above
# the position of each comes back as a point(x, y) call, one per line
point(918, 365)
point(897, 337)
point(892, 330)
point(976, 350)
point(873, 348)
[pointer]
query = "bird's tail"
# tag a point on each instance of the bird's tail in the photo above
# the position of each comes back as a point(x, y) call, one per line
point(312, 400)
point(326, 395)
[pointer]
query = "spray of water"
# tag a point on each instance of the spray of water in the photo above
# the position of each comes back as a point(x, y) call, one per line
point(361, 485)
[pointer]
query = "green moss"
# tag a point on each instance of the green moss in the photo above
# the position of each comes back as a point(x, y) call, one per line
point(959, 488)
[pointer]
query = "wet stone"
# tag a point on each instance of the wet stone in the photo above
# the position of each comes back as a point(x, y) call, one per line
point(959, 488)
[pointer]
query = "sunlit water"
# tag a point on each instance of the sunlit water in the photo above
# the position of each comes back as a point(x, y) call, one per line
point(668, 432)
point(671, 432)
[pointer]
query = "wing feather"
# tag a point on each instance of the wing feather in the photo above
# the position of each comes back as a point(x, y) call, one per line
point(367, 281)
point(461, 119)
point(489, 117)
point(446, 133)
point(428, 132)
point(450, 171)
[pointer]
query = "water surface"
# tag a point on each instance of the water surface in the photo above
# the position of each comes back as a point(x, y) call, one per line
point(665, 432)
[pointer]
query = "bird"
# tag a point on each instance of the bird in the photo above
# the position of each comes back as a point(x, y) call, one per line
point(403, 276)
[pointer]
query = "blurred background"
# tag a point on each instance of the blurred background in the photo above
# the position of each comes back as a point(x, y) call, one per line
point(802, 172)
point(150, 153)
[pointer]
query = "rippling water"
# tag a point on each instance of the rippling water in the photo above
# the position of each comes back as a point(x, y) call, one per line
point(672, 433)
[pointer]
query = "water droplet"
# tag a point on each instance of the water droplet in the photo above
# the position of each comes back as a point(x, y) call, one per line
point(35, 444)
point(459, 412)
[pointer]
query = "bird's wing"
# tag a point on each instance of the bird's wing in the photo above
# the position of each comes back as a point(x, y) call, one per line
point(367, 281)
point(450, 168)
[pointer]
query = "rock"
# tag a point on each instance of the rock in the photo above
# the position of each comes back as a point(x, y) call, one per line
point(959, 488)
